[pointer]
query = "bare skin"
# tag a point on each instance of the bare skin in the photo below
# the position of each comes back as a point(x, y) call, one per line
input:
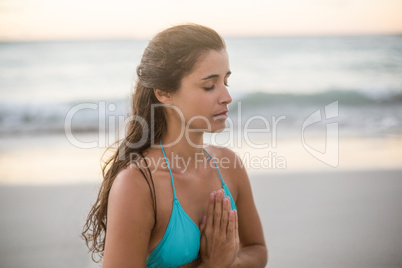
point(228, 239)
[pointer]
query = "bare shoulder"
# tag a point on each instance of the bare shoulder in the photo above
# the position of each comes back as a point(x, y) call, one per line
point(130, 219)
point(131, 195)
point(131, 183)
point(226, 156)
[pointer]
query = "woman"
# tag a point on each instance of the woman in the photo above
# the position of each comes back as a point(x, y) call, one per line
point(167, 199)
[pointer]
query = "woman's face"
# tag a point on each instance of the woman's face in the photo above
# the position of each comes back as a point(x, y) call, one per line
point(203, 96)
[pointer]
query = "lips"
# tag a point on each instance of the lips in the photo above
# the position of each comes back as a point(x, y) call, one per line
point(221, 116)
point(222, 113)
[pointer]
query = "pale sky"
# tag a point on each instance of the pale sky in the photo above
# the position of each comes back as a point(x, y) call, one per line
point(119, 19)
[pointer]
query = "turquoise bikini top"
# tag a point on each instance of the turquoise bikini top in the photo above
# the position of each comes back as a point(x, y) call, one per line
point(181, 242)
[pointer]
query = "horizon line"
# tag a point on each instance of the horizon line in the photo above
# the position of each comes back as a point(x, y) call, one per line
point(229, 36)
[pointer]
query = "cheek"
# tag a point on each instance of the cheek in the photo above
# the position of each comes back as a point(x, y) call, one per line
point(197, 110)
point(197, 105)
point(198, 115)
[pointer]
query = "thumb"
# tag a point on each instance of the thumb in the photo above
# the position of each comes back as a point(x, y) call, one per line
point(203, 223)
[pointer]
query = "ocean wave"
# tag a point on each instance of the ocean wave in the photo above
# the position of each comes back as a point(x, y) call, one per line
point(357, 111)
point(344, 97)
point(40, 118)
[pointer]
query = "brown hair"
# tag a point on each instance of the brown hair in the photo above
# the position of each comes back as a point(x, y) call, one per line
point(169, 56)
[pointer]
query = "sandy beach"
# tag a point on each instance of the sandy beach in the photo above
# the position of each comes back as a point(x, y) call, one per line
point(325, 219)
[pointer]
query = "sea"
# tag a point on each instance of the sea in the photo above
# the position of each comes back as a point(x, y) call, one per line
point(42, 84)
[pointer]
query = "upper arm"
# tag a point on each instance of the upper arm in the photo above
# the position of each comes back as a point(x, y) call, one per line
point(250, 228)
point(130, 219)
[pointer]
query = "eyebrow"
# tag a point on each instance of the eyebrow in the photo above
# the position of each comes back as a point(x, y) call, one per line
point(215, 75)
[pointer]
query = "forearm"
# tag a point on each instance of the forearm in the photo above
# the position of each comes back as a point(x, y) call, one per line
point(251, 256)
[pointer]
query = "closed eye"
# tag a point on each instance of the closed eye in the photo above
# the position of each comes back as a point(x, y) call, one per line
point(213, 86)
point(215, 76)
point(209, 88)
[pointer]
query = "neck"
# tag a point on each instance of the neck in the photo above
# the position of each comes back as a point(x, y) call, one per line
point(184, 152)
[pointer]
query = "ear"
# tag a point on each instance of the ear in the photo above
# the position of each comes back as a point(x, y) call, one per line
point(163, 96)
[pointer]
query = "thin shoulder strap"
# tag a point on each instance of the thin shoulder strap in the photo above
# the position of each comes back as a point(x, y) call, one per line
point(223, 183)
point(171, 175)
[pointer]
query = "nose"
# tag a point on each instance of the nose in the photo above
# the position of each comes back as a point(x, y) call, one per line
point(225, 98)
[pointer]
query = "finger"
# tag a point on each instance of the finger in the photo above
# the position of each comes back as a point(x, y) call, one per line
point(210, 212)
point(237, 227)
point(231, 226)
point(203, 223)
point(218, 210)
point(225, 214)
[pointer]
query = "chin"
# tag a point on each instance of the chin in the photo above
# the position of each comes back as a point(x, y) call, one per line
point(218, 129)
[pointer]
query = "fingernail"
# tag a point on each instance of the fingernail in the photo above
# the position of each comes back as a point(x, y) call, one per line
point(212, 196)
point(231, 213)
point(225, 200)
